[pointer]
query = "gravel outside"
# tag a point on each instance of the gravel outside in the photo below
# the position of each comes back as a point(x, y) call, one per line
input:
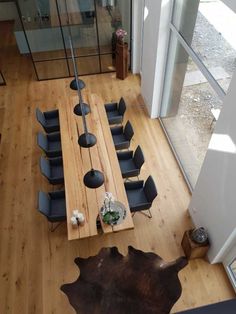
point(191, 129)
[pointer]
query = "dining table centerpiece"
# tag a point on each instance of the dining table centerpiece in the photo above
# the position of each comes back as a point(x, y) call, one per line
point(112, 211)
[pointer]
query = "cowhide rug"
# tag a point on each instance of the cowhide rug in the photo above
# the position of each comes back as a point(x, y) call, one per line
point(110, 283)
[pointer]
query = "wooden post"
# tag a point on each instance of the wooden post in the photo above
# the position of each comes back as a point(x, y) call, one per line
point(192, 249)
point(121, 60)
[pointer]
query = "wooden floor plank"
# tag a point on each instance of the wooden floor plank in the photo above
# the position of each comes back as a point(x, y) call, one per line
point(34, 263)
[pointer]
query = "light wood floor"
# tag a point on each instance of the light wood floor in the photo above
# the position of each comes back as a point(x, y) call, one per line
point(34, 263)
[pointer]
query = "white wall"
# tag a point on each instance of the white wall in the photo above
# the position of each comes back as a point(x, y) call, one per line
point(8, 11)
point(137, 29)
point(155, 41)
point(214, 197)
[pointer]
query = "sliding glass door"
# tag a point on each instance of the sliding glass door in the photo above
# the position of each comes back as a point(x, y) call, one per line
point(91, 24)
point(200, 64)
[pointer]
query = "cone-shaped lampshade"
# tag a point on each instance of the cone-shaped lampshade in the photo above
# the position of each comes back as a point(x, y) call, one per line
point(78, 111)
point(73, 84)
point(87, 140)
point(93, 179)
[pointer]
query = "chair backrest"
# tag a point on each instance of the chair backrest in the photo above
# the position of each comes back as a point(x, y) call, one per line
point(42, 141)
point(40, 117)
point(128, 131)
point(45, 167)
point(138, 157)
point(122, 106)
point(150, 189)
point(44, 203)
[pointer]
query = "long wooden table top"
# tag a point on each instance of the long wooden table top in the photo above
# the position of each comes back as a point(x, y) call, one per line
point(76, 164)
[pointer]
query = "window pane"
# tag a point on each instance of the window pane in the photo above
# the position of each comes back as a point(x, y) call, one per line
point(51, 69)
point(190, 109)
point(111, 16)
point(107, 63)
point(84, 39)
point(42, 29)
point(46, 43)
point(208, 26)
point(86, 65)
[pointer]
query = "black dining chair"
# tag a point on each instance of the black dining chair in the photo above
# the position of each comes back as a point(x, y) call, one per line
point(52, 169)
point(130, 162)
point(49, 120)
point(50, 143)
point(53, 206)
point(122, 136)
point(141, 195)
point(115, 112)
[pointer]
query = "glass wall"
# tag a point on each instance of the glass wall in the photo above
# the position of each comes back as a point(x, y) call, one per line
point(91, 23)
point(201, 60)
point(211, 36)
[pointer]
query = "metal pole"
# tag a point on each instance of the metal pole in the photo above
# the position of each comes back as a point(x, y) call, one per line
point(77, 84)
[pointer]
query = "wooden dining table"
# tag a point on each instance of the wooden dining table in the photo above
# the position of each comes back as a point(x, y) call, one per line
point(76, 163)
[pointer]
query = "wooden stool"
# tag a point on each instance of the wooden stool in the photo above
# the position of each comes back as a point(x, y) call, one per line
point(193, 249)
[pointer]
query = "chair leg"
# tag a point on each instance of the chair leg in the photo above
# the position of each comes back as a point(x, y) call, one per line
point(52, 229)
point(141, 212)
point(128, 180)
point(147, 215)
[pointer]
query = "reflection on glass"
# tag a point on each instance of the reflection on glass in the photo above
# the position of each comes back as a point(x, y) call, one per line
point(207, 27)
point(84, 39)
point(86, 65)
point(112, 15)
point(107, 63)
point(186, 113)
point(46, 44)
point(42, 29)
point(76, 12)
point(52, 69)
point(91, 23)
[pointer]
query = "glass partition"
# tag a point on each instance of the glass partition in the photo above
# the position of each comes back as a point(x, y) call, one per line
point(91, 24)
point(200, 62)
point(189, 120)
point(207, 26)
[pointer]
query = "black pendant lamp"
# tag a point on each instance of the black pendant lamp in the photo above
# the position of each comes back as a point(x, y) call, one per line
point(87, 140)
point(93, 178)
point(78, 111)
point(73, 84)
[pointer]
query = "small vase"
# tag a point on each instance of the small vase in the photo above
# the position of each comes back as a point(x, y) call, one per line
point(120, 41)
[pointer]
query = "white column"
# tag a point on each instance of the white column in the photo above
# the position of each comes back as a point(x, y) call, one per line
point(214, 197)
point(154, 51)
point(137, 29)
